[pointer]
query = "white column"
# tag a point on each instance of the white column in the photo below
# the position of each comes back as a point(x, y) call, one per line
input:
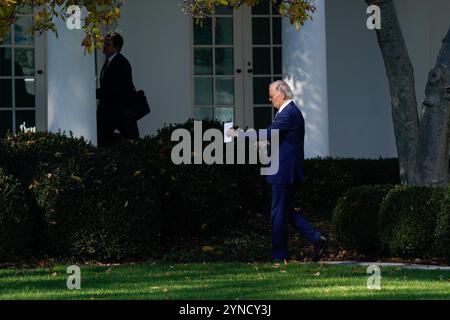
point(70, 84)
point(305, 69)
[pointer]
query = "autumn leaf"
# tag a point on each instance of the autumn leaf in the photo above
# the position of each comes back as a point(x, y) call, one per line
point(76, 178)
point(207, 249)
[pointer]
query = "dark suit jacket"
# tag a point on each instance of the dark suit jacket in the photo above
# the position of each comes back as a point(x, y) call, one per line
point(291, 126)
point(116, 84)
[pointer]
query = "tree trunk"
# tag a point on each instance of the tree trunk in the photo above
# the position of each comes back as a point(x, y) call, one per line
point(433, 153)
point(400, 74)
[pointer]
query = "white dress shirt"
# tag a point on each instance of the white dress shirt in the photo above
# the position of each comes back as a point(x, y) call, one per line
point(283, 106)
point(112, 57)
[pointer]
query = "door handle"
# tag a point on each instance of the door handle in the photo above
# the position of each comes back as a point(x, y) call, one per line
point(238, 71)
point(40, 72)
point(250, 70)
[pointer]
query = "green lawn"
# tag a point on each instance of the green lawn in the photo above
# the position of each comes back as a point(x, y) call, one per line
point(223, 281)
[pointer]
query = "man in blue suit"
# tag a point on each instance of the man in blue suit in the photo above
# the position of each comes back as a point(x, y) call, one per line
point(291, 130)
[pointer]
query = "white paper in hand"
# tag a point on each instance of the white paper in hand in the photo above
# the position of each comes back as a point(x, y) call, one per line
point(227, 126)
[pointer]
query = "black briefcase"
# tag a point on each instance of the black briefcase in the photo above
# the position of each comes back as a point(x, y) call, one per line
point(137, 107)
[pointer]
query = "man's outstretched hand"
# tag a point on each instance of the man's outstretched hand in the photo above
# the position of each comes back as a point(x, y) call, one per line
point(231, 133)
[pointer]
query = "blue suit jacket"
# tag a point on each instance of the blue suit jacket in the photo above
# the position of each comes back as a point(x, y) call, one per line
point(291, 126)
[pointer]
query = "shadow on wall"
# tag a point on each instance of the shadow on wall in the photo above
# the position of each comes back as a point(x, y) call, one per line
point(305, 71)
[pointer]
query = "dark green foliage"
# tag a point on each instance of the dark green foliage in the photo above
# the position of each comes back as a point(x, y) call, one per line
point(442, 234)
point(16, 222)
point(131, 202)
point(196, 199)
point(28, 154)
point(408, 219)
point(100, 208)
point(355, 218)
point(326, 180)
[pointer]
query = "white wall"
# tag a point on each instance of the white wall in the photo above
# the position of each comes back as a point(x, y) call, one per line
point(305, 69)
point(71, 84)
point(359, 102)
point(157, 44)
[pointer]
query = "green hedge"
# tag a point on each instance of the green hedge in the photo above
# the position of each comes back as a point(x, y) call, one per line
point(442, 233)
point(129, 201)
point(100, 208)
point(16, 222)
point(326, 180)
point(408, 220)
point(26, 155)
point(196, 200)
point(355, 218)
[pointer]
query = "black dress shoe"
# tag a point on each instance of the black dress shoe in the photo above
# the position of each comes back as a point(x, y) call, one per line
point(319, 247)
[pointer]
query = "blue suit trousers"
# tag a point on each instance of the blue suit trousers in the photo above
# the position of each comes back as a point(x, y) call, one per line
point(282, 214)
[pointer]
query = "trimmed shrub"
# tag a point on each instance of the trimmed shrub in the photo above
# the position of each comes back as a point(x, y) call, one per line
point(196, 200)
point(25, 154)
point(99, 208)
point(442, 233)
point(408, 219)
point(16, 224)
point(326, 180)
point(124, 202)
point(355, 218)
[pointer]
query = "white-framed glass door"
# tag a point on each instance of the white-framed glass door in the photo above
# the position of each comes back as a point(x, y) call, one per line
point(22, 79)
point(237, 54)
point(218, 86)
point(263, 61)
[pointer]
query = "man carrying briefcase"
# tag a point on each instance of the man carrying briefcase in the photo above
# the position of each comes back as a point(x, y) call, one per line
point(120, 105)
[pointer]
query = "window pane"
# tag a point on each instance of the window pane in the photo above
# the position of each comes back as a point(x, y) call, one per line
point(22, 34)
point(225, 114)
point(24, 62)
point(204, 91)
point(203, 61)
point(25, 91)
point(26, 9)
point(223, 10)
point(262, 8)
point(204, 113)
point(261, 61)
point(5, 93)
point(224, 61)
point(276, 30)
point(6, 39)
point(261, 90)
point(261, 30)
point(5, 62)
point(225, 91)
point(277, 61)
point(5, 123)
point(262, 117)
point(27, 117)
point(203, 32)
point(224, 31)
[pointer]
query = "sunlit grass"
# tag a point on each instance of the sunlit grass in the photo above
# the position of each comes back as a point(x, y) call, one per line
point(223, 281)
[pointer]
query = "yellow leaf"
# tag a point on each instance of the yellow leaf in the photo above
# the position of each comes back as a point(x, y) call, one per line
point(207, 249)
point(75, 178)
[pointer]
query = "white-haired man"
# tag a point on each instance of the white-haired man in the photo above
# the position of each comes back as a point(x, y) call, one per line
point(290, 124)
